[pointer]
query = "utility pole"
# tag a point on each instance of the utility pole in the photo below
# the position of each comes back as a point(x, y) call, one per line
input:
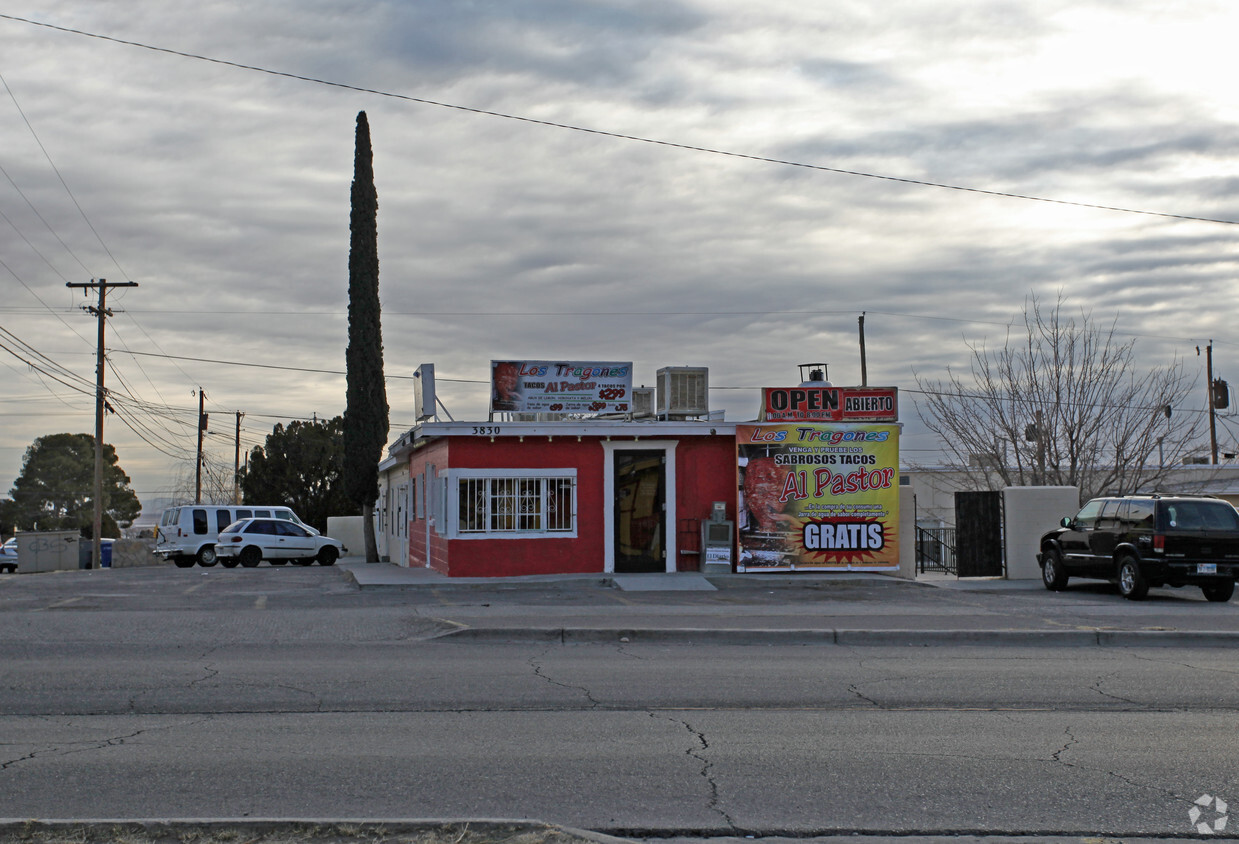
point(1040, 448)
point(1212, 403)
point(236, 463)
point(864, 369)
point(202, 427)
point(101, 313)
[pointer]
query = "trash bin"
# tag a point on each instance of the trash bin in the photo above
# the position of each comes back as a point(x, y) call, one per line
point(86, 550)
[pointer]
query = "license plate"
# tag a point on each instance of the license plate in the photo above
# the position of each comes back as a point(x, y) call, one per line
point(1206, 568)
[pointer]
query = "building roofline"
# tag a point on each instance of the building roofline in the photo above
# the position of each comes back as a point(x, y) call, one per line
point(426, 431)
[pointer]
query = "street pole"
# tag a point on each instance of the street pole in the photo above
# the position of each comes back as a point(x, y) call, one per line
point(1212, 413)
point(236, 464)
point(1040, 449)
point(864, 368)
point(101, 313)
point(201, 433)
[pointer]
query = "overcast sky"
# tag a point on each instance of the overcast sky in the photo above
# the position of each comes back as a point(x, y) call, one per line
point(224, 193)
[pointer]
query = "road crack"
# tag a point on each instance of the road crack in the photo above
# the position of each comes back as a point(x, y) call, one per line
point(535, 663)
point(697, 753)
point(92, 744)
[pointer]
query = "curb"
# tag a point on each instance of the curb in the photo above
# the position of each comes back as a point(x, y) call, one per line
point(873, 638)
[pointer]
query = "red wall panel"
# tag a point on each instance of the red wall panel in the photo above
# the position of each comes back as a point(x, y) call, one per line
point(705, 473)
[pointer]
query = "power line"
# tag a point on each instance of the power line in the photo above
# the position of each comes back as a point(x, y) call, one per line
point(615, 135)
point(63, 183)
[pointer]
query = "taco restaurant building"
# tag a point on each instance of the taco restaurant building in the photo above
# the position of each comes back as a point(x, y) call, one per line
point(649, 482)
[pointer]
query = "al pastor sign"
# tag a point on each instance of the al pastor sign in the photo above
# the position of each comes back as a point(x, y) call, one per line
point(818, 497)
point(830, 404)
point(539, 386)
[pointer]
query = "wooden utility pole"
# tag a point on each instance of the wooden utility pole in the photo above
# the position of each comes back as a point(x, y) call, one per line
point(236, 463)
point(101, 313)
point(202, 427)
point(1212, 403)
point(864, 368)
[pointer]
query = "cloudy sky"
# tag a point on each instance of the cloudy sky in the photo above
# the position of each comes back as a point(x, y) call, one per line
point(209, 160)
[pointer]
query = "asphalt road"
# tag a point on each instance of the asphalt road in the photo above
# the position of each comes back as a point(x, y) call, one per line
point(292, 693)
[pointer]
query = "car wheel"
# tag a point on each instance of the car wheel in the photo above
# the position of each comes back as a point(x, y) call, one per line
point(9, 568)
point(1219, 593)
point(184, 562)
point(228, 562)
point(251, 556)
point(327, 555)
point(1053, 575)
point(1132, 584)
point(207, 556)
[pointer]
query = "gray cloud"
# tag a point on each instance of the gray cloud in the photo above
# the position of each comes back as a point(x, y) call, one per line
point(224, 192)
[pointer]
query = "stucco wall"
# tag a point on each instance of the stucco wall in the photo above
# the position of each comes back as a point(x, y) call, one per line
point(350, 531)
point(704, 473)
point(1030, 512)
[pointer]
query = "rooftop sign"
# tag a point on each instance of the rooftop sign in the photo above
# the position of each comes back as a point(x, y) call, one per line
point(539, 386)
point(830, 404)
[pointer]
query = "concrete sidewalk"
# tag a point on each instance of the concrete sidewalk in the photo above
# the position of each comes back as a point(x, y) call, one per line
point(801, 608)
point(389, 574)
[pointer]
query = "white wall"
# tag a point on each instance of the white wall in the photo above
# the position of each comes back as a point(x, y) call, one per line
point(907, 533)
point(1030, 512)
point(349, 530)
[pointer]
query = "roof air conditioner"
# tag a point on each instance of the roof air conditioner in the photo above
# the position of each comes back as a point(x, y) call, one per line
point(683, 391)
point(643, 402)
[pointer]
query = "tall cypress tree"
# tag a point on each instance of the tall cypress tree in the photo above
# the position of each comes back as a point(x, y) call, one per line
point(365, 415)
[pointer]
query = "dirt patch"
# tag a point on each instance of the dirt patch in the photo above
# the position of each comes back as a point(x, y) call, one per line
point(288, 832)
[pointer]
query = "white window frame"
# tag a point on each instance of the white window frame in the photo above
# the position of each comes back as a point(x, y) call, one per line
point(455, 476)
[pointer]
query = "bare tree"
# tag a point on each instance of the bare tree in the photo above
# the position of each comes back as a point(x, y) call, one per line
point(217, 479)
point(1063, 405)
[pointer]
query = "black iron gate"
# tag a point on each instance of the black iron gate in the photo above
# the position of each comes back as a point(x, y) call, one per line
point(978, 534)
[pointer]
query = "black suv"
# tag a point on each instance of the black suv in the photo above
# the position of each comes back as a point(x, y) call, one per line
point(1141, 541)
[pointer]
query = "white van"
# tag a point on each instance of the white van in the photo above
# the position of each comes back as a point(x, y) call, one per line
point(187, 534)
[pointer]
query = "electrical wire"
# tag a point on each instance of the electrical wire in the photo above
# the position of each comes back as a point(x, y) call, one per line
point(608, 134)
point(63, 183)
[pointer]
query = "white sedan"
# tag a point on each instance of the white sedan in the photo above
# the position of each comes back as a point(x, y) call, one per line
point(250, 541)
point(8, 556)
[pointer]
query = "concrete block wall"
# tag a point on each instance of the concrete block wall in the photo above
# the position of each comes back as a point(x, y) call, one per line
point(130, 553)
point(1030, 512)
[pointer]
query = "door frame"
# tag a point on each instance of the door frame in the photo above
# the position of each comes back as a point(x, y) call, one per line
point(609, 448)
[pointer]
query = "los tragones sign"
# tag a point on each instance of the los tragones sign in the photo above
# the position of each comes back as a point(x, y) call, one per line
point(539, 386)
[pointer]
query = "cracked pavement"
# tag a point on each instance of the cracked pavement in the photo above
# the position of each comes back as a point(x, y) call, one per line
point(170, 696)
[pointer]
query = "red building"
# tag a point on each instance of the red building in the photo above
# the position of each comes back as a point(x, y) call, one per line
point(519, 498)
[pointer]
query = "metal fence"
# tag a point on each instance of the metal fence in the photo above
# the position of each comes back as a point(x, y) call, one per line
point(935, 550)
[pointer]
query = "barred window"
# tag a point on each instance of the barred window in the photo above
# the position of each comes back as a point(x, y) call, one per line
point(504, 505)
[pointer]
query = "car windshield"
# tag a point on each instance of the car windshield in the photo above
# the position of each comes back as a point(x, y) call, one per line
point(1088, 513)
point(232, 528)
